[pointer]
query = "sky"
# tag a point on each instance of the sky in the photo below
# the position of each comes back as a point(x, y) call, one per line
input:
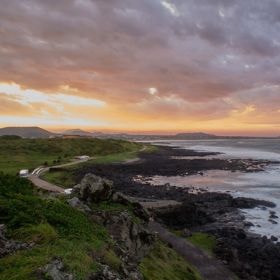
point(148, 66)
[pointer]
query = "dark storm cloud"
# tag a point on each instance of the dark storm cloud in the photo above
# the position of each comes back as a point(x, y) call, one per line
point(196, 51)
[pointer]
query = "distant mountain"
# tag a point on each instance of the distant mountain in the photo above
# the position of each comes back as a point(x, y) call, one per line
point(197, 135)
point(26, 132)
point(77, 132)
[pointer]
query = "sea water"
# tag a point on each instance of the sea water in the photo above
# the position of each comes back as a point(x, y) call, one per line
point(260, 185)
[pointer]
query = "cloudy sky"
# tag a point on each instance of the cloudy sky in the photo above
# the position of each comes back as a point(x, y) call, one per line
point(141, 65)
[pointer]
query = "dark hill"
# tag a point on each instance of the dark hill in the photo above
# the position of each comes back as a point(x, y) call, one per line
point(26, 132)
point(77, 132)
point(198, 135)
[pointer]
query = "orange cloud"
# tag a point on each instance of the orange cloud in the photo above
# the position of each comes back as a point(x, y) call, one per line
point(147, 65)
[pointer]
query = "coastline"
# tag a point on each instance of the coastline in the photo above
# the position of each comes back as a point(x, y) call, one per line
point(220, 214)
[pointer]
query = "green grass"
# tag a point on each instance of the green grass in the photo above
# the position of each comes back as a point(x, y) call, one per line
point(204, 241)
point(57, 229)
point(163, 263)
point(62, 178)
point(16, 154)
point(65, 177)
point(111, 259)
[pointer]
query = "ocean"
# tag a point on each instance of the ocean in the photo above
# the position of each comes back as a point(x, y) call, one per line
point(260, 185)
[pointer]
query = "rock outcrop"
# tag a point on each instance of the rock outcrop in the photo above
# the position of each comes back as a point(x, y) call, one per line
point(8, 246)
point(94, 189)
point(128, 228)
point(55, 271)
point(133, 239)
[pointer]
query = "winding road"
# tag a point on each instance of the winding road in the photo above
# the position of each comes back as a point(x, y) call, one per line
point(42, 184)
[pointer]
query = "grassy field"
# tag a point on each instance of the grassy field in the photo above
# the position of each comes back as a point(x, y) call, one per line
point(163, 263)
point(16, 154)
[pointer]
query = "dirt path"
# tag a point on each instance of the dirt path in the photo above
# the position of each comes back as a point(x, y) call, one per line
point(208, 267)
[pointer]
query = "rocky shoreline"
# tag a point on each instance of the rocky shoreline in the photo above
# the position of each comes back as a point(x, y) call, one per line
point(249, 256)
point(129, 178)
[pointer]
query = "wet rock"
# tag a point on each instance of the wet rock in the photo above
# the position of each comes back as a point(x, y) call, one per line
point(248, 224)
point(273, 238)
point(55, 271)
point(247, 203)
point(249, 256)
point(94, 189)
point(78, 204)
point(273, 215)
point(272, 221)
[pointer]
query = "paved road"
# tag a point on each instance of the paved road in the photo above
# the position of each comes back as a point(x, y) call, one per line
point(42, 184)
point(208, 267)
point(45, 185)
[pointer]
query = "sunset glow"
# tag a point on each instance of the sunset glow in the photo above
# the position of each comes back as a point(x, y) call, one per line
point(148, 66)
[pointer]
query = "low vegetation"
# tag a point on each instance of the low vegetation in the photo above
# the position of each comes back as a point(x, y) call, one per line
point(163, 263)
point(204, 241)
point(57, 229)
point(17, 153)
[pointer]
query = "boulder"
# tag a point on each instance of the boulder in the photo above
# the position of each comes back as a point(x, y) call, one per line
point(94, 189)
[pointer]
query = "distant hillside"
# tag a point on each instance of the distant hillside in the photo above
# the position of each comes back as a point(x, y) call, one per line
point(198, 135)
point(77, 132)
point(26, 132)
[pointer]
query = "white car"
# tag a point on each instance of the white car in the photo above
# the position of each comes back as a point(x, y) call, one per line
point(68, 191)
point(24, 173)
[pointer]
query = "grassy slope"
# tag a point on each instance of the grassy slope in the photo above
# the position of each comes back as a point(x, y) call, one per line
point(30, 153)
point(61, 231)
point(163, 263)
point(56, 228)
